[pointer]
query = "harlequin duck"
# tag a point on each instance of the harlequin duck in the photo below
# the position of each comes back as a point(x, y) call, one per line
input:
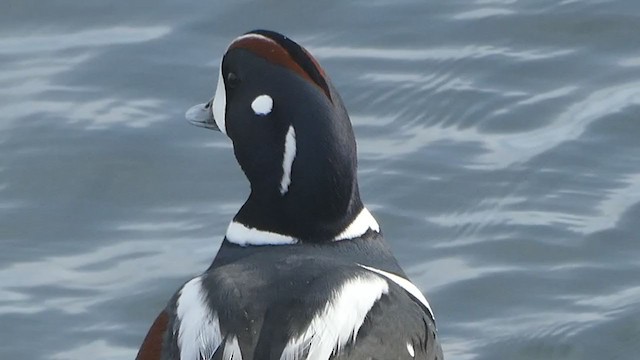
point(303, 271)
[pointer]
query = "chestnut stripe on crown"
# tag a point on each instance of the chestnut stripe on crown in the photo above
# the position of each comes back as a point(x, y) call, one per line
point(282, 51)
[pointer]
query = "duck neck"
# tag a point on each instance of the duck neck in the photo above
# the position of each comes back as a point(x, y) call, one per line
point(318, 212)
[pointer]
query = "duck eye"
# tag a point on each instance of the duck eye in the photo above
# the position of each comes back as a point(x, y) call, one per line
point(232, 80)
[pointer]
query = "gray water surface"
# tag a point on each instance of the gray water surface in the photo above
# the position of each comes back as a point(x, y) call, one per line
point(499, 147)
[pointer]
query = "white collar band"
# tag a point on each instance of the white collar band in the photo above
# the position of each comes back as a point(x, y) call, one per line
point(243, 235)
point(360, 225)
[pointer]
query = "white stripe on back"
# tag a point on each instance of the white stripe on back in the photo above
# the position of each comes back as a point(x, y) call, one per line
point(407, 285)
point(232, 349)
point(340, 320)
point(199, 334)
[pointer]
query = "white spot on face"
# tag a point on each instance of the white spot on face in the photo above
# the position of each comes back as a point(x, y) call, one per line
point(410, 350)
point(363, 222)
point(287, 159)
point(407, 285)
point(220, 103)
point(242, 235)
point(199, 332)
point(339, 321)
point(262, 105)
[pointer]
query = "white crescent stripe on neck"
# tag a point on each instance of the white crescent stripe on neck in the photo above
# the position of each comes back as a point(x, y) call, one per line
point(287, 159)
point(243, 235)
point(407, 285)
point(360, 225)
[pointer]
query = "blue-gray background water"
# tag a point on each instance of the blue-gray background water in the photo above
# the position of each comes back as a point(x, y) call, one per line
point(499, 147)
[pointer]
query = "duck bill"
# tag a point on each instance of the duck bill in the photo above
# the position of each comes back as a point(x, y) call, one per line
point(202, 115)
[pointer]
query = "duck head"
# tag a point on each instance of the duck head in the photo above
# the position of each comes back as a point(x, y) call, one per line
point(291, 136)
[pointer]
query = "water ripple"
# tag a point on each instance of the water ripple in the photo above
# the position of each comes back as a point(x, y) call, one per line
point(437, 53)
point(26, 44)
